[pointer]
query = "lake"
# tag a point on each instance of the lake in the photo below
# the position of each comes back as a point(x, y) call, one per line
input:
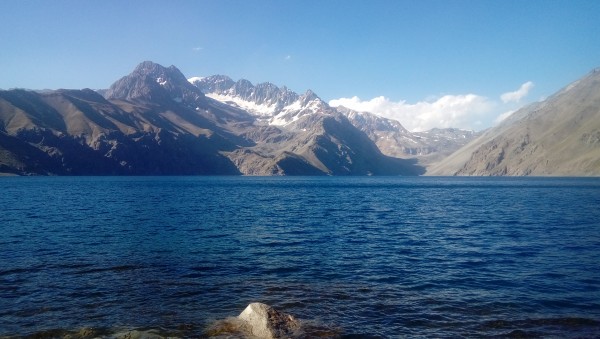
point(362, 257)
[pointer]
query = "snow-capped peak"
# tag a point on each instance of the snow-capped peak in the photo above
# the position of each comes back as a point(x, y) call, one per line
point(272, 104)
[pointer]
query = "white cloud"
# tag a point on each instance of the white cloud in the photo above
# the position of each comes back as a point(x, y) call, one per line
point(503, 116)
point(517, 95)
point(197, 49)
point(288, 57)
point(467, 111)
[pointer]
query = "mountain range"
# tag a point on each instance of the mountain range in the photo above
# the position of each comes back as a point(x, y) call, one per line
point(155, 121)
point(282, 107)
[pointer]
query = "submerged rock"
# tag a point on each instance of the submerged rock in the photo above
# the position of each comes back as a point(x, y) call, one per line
point(266, 322)
point(258, 320)
point(140, 334)
point(262, 321)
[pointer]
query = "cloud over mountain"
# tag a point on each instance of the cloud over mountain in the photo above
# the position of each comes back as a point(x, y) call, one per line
point(461, 111)
point(465, 111)
point(503, 116)
point(517, 95)
point(558, 136)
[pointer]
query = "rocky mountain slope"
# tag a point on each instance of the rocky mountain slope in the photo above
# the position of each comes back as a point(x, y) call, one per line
point(281, 107)
point(559, 136)
point(393, 139)
point(154, 122)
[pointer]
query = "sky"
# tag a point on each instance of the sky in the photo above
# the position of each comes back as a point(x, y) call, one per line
point(425, 63)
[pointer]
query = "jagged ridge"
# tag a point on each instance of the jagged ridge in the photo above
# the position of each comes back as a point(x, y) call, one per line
point(282, 107)
point(153, 121)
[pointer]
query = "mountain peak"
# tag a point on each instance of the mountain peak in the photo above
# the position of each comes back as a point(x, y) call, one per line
point(147, 66)
point(263, 99)
point(309, 95)
point(152, 81)
point(276, 105)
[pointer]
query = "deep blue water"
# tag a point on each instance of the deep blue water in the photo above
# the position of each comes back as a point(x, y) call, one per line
point(364, 256)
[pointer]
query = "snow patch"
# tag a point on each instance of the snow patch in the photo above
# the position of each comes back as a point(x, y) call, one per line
point(251, 107)
point(294, 111)
point(270, 111)
point(192, 80)
point(282, 119)
point(161, 81)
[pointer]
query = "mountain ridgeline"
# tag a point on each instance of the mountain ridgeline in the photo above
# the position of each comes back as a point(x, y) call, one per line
point(282, 107)
point(155, 121)
point(559, 136)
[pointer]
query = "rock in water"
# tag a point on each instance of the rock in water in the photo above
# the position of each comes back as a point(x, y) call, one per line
point(266, 322)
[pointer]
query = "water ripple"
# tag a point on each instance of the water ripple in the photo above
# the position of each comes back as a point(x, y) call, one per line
point(368, 257)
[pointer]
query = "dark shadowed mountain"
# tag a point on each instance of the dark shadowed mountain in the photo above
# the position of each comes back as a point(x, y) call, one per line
point(558, 136)
point(154, 122)
point(79, 132)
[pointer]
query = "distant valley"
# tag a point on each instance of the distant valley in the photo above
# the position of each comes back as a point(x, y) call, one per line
point(155, 121)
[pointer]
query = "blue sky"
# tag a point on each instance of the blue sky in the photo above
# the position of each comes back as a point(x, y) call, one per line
point(427, 63)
